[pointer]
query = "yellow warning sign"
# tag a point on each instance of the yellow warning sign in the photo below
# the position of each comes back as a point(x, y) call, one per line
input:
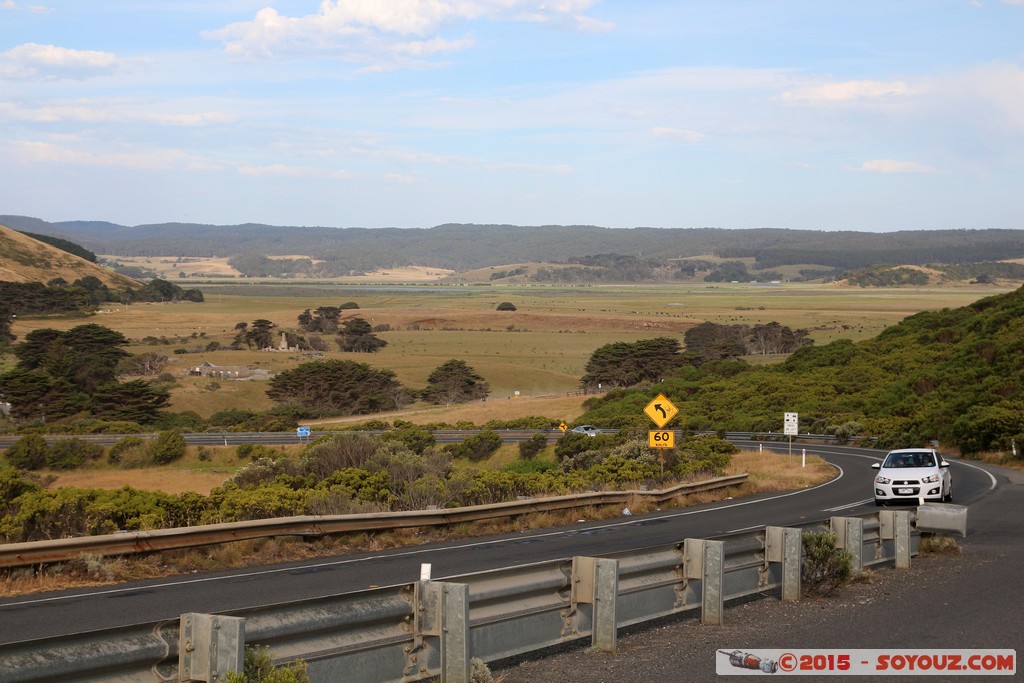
point(661, 410)
point(664, 438)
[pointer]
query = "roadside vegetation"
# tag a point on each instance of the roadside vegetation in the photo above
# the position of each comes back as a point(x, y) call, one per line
point(767, 472)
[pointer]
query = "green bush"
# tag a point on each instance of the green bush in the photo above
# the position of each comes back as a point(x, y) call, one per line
point(573, 444)
point(415, 438)
point(67, 454)
point(477, 446)
point(825, 567)
point(336, 452)
point(260, 668)
point(168, 447)
point(531, 447)
point(130, 451)
point(29, 452)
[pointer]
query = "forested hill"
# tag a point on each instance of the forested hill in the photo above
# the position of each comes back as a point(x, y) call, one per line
point(956, 376)
point(464, 247)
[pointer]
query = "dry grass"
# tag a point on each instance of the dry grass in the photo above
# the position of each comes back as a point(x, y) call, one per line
point(168, 480)
point(939, 544)
point(770, 471)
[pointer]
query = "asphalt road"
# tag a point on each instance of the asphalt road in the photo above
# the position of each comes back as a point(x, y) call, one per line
point(60, 613)
point(942, 602)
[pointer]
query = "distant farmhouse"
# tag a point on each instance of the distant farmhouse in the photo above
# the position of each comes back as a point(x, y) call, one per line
point(237, 372)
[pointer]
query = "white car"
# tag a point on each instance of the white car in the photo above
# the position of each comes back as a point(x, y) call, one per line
point(589, 430)
point(913, 474)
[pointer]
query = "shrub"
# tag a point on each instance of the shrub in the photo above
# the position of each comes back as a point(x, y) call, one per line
point(415, 438)
point(229, 417)
point(825, 567)
point(254, 451)
point(336, 452)
point(67, 454)
point(130, 451)
point(29, 452)
point(506, 306)
point(168, 447)
point(572, 444)
point(260, 471)
point(259, 668)
point(479, 671)
point(532, 446)
point(476, 447)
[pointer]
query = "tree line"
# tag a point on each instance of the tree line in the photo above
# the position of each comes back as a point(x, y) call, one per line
point(466, 246)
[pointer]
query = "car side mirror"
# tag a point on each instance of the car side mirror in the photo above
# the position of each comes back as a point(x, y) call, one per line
point(943, 463)
point(876, 466)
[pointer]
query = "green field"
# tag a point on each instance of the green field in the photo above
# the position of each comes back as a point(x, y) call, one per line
point(538, 350)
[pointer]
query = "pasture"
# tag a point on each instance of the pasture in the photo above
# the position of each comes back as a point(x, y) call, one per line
point(537, 351)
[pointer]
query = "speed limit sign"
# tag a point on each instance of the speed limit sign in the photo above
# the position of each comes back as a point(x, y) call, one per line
point(661, 438)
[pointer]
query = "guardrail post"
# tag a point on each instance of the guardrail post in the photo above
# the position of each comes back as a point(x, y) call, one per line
point(705, 560)
point(596, 581)
point(442, 610)
point(785, 545)
point(849, 533)
point(210, 646)
point(895, 525)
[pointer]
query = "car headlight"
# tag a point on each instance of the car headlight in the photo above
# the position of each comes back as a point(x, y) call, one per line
point(931, 478)
point(882, 480)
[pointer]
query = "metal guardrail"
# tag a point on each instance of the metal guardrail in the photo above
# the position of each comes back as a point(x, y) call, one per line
point(311, 526)
point(445, 436)
point(420, 630)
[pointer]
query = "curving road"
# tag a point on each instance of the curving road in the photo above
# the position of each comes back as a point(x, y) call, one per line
point(850, 493)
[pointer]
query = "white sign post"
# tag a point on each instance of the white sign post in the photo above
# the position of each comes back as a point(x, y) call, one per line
point(791, 428)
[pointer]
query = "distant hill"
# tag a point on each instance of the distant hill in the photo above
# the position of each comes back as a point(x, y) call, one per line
point(464, 247)
point(24, 259)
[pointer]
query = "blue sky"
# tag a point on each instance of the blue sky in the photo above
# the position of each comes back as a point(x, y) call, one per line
point(865, 115)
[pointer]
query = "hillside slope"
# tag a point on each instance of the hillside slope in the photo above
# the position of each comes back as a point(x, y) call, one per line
point(23, 259)
point(955, 375)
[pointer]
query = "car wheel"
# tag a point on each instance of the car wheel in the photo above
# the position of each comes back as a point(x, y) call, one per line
point(879, 503)
point(949, 495)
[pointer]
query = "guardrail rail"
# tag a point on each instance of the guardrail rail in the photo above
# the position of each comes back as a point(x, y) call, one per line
point(424, 629)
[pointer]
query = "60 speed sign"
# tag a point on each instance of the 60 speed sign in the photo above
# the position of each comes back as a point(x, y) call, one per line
point(661, 438)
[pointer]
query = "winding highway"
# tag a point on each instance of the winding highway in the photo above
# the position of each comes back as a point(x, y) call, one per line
point(60, 613)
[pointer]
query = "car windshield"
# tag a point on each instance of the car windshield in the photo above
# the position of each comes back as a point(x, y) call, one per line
point(923, 459)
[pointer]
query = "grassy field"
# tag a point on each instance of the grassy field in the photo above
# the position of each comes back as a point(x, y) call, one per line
point(538, 350)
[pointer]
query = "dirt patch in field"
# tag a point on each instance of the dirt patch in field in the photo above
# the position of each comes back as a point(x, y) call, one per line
point(534, 322)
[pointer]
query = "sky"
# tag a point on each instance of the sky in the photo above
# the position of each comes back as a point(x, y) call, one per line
point(804, 114)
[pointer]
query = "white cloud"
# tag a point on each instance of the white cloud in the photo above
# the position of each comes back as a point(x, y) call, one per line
point(677, 134)
point(366, 30)
point(31, 151)
point(283, 170)
point(847, 91)
point(50, 62)
point(88, 111)
point(890, 166)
